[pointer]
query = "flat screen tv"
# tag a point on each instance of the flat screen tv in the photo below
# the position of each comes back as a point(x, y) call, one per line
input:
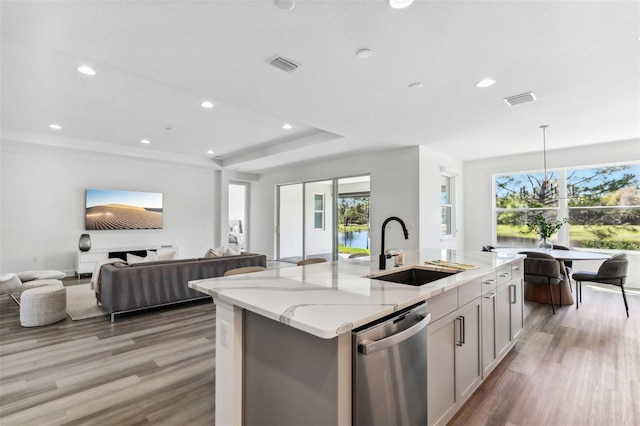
point(107, 209)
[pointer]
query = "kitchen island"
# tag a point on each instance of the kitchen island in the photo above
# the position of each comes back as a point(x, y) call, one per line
point(283, 336)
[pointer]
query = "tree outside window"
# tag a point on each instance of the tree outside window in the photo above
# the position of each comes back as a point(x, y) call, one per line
point(604, 207)
point(601, 203)
point(518, 198)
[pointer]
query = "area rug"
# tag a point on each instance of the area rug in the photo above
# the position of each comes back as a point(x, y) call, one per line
point(81, 302)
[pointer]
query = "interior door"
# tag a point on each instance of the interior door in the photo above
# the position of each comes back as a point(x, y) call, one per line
point(290, 238)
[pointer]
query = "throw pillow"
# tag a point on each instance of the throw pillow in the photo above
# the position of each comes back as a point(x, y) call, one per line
point(210, 253)
point(152, 256)
point(169, 255)
point(132, 258)
point(228, 251)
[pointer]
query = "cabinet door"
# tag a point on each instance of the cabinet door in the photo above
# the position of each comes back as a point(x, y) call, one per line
point(441, 392)
point(517, 306)
point(488, 332)
point(468, 366)
point(503, 320)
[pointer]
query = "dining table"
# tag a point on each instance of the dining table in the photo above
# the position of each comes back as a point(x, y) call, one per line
point(540, 293)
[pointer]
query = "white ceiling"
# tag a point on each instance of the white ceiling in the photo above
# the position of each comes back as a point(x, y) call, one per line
point(156, 61)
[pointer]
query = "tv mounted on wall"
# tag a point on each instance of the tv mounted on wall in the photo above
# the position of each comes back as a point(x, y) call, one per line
point(107, 209)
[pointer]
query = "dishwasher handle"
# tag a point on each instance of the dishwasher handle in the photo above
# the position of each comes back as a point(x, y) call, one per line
point(369, 347)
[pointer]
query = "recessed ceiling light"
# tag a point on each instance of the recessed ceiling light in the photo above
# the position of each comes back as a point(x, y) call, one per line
point(86, 70)
point(55, 126)
point(206, 104)
point(210, 152)
point(400, 4)
point(285, 4)
point(287, 126)
point(486, 82)
point(364, 53)
point(145, 141)
point(416, 85)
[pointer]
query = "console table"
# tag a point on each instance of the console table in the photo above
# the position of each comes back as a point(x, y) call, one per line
point(86, 261)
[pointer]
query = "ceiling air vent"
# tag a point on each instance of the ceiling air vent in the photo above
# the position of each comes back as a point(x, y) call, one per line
point(520, 99)
point(284, 64)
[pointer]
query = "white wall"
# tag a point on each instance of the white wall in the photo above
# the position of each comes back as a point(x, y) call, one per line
point(43, 200)
point(432, 166)
point(400, 186)
point(478, 201)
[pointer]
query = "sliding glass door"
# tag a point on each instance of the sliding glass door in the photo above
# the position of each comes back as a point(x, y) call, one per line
point(327, 219)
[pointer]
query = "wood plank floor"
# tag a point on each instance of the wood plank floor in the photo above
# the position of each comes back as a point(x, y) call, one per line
point(578, 367)
point(573, 368)
point(156, 367)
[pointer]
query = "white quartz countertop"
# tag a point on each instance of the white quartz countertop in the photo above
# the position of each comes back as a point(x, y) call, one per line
point(328, 299)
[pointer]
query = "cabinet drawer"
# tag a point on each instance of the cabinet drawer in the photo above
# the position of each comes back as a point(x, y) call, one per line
point(469, 291)
point(489, 282)
point(442, 304)
point(504, 274)
point(517, 269)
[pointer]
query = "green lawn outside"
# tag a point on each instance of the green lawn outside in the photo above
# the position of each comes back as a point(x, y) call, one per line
point(629, 234)
point(351, 250)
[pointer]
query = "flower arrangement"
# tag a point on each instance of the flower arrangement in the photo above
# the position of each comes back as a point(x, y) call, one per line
point(545, 227)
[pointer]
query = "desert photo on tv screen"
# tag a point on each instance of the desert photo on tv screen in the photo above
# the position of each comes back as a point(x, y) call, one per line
point(109, 209)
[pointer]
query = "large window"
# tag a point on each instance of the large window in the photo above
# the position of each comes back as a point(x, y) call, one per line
point(601, 203)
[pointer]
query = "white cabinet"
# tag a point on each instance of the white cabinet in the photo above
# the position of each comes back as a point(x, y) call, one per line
point(454, 369)
point(86, 261)
point(466, 340)
point(502, 316)
point(468, 368)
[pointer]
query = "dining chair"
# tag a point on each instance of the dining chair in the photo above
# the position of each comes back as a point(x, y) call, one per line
point(568, 264)
point(311, 260)
point(244, 270)
point(613, 271)
point(541, 268)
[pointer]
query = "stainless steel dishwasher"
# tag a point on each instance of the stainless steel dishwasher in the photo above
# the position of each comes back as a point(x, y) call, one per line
point(390, 370)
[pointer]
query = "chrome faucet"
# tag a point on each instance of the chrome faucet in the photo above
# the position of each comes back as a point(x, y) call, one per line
point(384, 256)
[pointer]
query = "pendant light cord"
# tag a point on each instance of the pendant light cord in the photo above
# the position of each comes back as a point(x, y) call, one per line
point(544, 150)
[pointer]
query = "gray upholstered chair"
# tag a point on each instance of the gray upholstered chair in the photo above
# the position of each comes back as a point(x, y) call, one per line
point(356, 255)
point(568, 264)
point(9, 284)
point(613, 271)
point(244, 270)
point(311, 260)
point(540, 268)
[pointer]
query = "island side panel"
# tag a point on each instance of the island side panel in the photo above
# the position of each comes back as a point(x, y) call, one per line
point(228, 397)
point(293, 378)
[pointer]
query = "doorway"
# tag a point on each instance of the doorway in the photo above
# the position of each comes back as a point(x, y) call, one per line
point(311, 215)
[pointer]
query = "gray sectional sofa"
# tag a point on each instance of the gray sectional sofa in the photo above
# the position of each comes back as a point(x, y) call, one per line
point(125, 288)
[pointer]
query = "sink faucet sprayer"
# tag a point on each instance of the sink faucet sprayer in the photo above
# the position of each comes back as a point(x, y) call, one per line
point(383, 255)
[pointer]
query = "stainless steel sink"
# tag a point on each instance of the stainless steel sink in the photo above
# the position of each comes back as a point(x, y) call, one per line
point(413, 276)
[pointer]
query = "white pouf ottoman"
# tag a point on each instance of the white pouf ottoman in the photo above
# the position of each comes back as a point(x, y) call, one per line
point(43, 305)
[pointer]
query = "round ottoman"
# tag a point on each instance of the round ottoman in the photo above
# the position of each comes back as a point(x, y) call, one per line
point(43, 305)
